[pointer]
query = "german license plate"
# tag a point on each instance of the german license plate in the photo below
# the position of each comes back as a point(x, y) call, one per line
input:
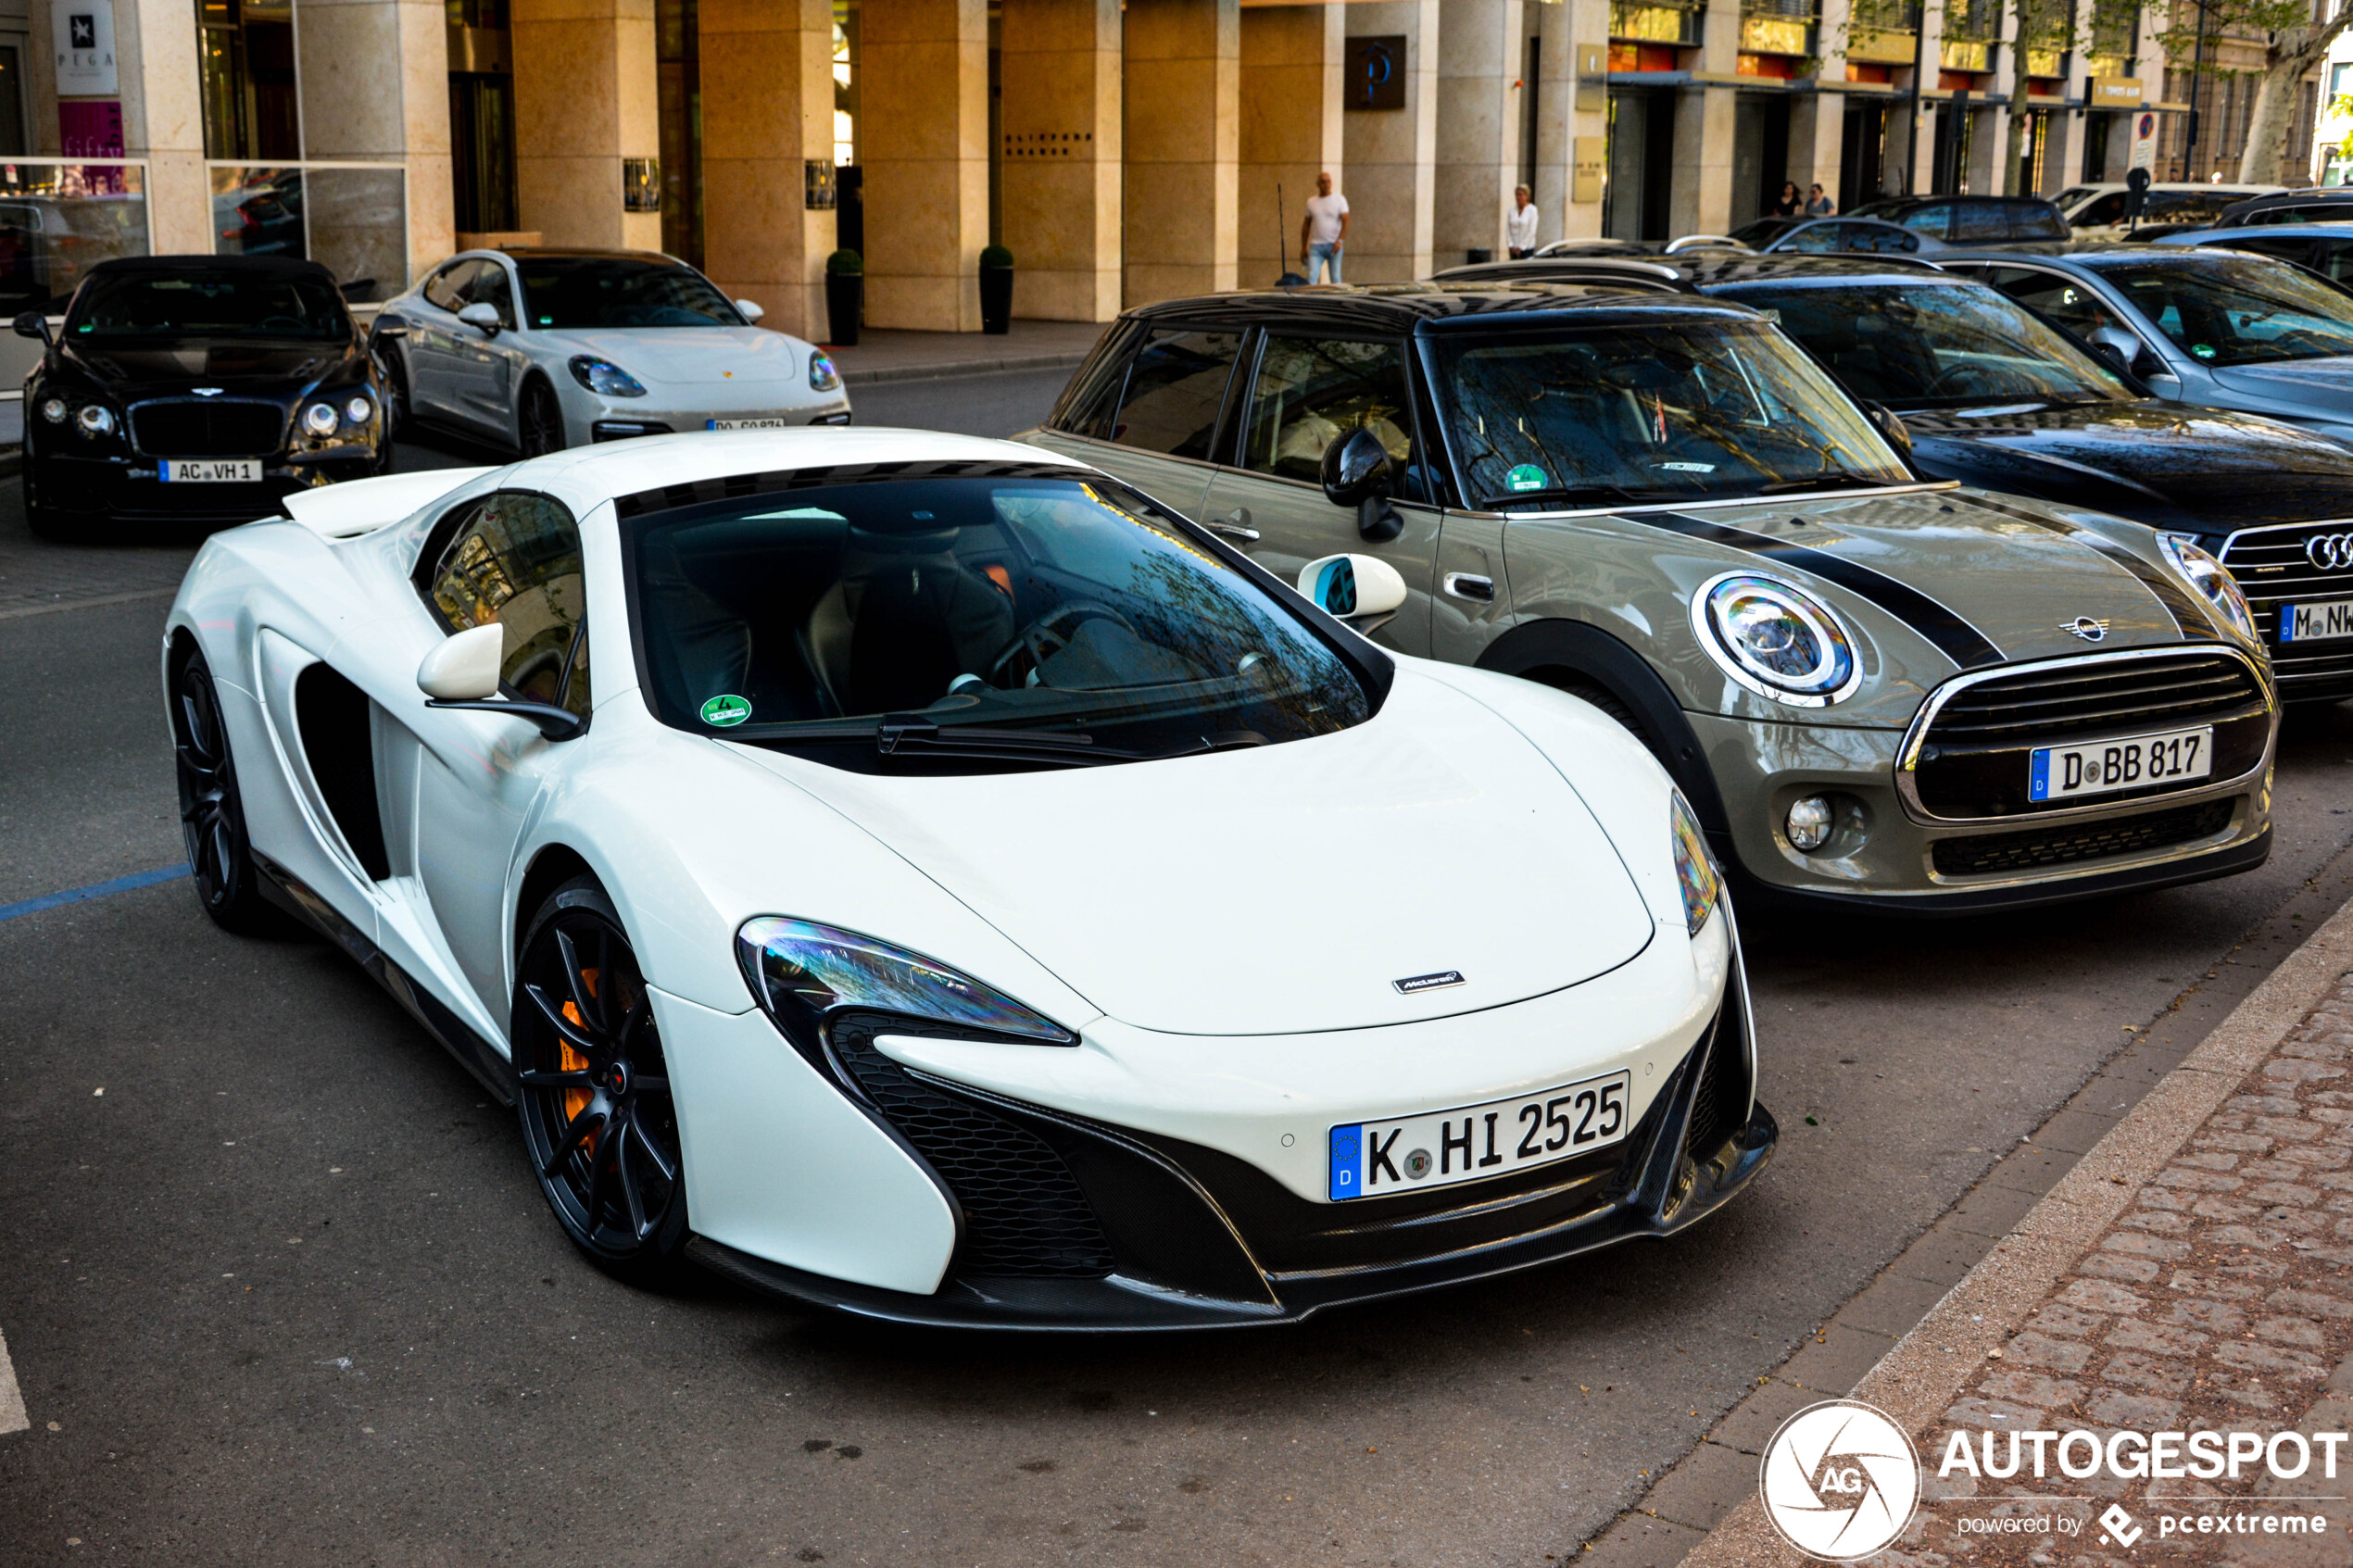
point(2319, 622)
point(2056, 772)
point(1442, 1147)
point(212, 471)
point(771, 422)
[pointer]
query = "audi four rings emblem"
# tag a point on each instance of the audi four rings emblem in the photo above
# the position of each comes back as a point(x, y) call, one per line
point(2330, 552)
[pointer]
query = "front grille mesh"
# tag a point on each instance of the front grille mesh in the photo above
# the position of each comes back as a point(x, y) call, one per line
point(2091, 841)
point(205, 428)
point(2272, 570)
point(1723, 1089)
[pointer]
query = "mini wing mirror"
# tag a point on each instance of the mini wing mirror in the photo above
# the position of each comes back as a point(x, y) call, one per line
point(2116, 349)
point(482, 315)
point(1358, 472)
point(33, 324)
point(749, 311)
point(463, 672)
point(1353, 588)
point(1885, 420)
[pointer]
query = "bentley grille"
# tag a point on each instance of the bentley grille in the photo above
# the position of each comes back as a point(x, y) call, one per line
point(2275, 566)
point(207, 428)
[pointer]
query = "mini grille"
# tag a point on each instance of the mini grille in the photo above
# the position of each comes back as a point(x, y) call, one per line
point(2097, 841)
point(2273, 569)
point(1023, 1213)
point(206, 429)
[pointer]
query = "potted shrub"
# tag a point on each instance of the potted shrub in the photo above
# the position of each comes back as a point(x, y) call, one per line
point(997, 290)
point(844, 297)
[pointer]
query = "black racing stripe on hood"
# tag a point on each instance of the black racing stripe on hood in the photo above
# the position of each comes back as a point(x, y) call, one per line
point(1952, 636)
point(2188, 619)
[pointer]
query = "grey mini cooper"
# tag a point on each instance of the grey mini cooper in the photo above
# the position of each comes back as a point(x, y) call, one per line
point(1875, 689)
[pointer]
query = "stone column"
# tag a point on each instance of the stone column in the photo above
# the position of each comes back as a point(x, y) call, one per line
point(1700, 200)
point(1480, 99)
point(1392, 154)
point(767, 113)
point(1817, 119)
point(1184, 70)
point(1291, 103)
point(374, 80)
point(1058, 181)
point(585, 98)
point(1567, 29)
point(922, 124)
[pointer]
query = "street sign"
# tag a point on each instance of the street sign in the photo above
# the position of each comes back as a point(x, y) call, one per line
point(2145, 141)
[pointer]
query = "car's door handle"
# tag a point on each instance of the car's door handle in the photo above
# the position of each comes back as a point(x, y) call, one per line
point(1465, 585)
point(1235, 525)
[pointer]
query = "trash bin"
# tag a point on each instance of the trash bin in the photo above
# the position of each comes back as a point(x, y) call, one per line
point(1478, 258)
point(844, 297)
point(997, 290)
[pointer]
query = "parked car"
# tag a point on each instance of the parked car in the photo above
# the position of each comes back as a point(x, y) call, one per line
point(1862, 679)
point(1995, 398)
point(2098, 211)
point(2313, 205)
point(818, 900)
point(195, 390)
point(2326, 249)
point(1870, 236)
point(1971, 221)
point(537, 350)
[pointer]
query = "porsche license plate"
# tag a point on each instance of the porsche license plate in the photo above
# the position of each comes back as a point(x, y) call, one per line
point(2055, 772)
point(1442, 1147)
point(773, 422)
point(212, 471)
point(2319, 622)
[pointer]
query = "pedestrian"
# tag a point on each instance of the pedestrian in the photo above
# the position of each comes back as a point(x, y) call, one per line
point(1785, 205)
point(1323, 234)
point(1820, 204)
point(1519, 228)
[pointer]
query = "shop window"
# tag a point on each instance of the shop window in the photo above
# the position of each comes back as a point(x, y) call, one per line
point(247, 79)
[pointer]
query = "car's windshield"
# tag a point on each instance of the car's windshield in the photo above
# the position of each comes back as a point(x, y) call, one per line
point(565, 292)
point(1068, 609)
point(1764, 230)
point(126, 306)
point(1654, 411)
point(1946, 345)
point(2238, 310)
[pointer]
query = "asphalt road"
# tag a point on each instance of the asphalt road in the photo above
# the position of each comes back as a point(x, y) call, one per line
point(285, 1292)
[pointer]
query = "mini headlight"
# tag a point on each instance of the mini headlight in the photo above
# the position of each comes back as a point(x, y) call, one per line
point(604, 378)
point(54, 409)
point(1694, 869)
point(95, 418)
point(2211, 579)
point(319, 419)
point(358, 409)
point(1775, 640)
point(822, 377)
point(802, 974)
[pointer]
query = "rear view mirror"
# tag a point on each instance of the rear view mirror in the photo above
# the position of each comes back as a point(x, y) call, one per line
point(465, 667)
point(482, 315)
point(2116, 349)
point(1353, 588)
point(33, 324)
point(1358, 472)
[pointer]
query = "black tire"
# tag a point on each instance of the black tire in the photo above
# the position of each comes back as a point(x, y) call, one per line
point(44, 521)
point(212, 813)
point(598, 1121)
point(1586, 691)
point(539, 419)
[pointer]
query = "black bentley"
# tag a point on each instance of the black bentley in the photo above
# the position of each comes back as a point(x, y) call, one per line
point(195, 390)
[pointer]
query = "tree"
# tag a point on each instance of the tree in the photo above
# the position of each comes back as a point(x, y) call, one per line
point(2297, 34)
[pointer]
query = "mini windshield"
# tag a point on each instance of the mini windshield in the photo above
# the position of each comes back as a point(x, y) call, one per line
point(566, 292)
point(1944, 345)
point(133, 307)
point(2224, 310)
point(970, 621)
point(1650, 411)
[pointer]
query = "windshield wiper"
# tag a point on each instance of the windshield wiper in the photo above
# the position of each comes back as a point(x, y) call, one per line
point(1822, 482)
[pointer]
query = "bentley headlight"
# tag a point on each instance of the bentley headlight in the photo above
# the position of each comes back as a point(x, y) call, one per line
point(604, 378)
point(1775, 640)
point(319, 420)
point(54, 410)
point(803, 973)
point(2211, 579)
point(1693, 870)
point(358, 409)
point(822, 377)
point(95, 418)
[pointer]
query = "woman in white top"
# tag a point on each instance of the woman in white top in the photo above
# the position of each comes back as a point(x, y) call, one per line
point(1519, 228)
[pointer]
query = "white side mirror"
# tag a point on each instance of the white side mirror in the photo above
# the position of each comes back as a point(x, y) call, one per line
point(1353, 586)
point(752, 312)
point(464, 668)
point(481, 316)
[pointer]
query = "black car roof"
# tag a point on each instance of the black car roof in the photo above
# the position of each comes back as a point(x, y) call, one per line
point(1913, 203)
point(1411, 307)
point(236, 266)
point(1717, 272)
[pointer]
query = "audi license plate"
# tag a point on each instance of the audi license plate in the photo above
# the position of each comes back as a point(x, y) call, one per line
point(1442, 1148)
point(2319, 622)
point(2057, 772)
point(212, 471)
point(772, 421)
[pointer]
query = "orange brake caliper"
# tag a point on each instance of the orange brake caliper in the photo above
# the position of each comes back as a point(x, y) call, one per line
point(576, 1100)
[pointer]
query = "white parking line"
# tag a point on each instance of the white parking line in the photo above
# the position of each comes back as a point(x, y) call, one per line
point(12, 1416)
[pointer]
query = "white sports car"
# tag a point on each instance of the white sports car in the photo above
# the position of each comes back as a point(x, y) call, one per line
point(538, 350)
point(959, 890)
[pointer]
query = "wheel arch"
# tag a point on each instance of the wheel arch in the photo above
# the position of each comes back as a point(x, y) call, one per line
point(551, 867)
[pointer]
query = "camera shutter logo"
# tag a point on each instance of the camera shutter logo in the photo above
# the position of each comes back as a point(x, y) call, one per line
point(1840, 1480)
point(2329, 552)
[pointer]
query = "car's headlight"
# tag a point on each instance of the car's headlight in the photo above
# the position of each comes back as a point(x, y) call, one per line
point(604, 378)
point(358, 409)
point(822, 377)
point(1693, 870)
point(803, 973)
point(54, 409)
point(95, 418)
point(319, 420)
point(1776, 640)
point(2211, 579)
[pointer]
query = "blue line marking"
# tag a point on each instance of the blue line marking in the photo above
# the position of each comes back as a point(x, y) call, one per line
point(95, 890)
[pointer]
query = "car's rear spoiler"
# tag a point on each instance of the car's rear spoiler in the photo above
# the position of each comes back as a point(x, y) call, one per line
point(363, 506)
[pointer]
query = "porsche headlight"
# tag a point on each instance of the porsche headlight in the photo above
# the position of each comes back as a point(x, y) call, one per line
point(822, 377)
point(1693, 870)
point(1776, 640)
point(2209, 580)
point(803, 973)
point(319, 420)
point(604, 378)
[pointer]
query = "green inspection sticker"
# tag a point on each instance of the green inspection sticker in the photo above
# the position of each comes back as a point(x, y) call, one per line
point(1528, 476)
point(722, 711)
point(2203, 350)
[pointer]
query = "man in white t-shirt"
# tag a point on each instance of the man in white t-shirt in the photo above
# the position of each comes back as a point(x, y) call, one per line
point(1323, 231)
point(1519, 228)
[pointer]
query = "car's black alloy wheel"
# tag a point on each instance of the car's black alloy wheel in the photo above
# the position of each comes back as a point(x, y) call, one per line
point(598, 1118)
point(539, 419)
point(212, 813)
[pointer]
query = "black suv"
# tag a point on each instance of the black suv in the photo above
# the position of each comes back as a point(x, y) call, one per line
point(195, 390)
point(1972, 220)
